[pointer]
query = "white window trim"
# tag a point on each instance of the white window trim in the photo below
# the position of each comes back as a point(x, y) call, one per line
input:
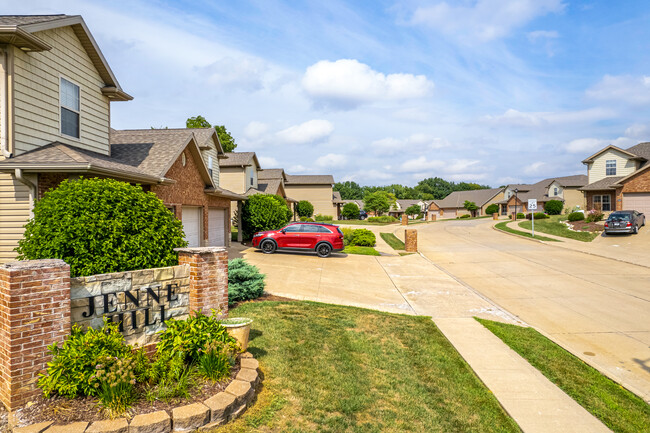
point(607, 168)
point(61, 134)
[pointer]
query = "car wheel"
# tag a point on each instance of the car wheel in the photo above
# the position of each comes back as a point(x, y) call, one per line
point(323, 250)
point(268, 247)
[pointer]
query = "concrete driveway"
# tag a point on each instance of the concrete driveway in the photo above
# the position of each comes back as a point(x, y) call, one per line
point(594, 306)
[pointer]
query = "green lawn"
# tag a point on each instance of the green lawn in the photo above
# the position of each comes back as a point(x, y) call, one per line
point(363, 251)
point(616, 407)
point(331, 368)
point(553, 226)
point(503, 226)
point(393, 241)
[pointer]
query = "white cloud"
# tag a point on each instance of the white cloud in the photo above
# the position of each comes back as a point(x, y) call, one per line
point(542, 34)
point(422, 165)
point(622, 88)
point(296, 169)
point(307, 132)
point(638, 131)
point(517, 118)
point(246, 73)
point(255, 130)
point(483, 20)
point(331, 160)
point(347, 83)
point(585, 145)
point(538, 167)
point(268, 162)
point(417, 142)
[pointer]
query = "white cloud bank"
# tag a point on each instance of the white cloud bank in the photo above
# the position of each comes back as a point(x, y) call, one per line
point(307, 132)
point(622, 88)
point(525, 119)
point(347, 83)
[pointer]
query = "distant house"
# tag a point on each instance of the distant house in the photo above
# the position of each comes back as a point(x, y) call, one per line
point(55, 125)
point(452, 206)
point(400, 207)
point(317, 189)
point(566, 189)
point(619, 179)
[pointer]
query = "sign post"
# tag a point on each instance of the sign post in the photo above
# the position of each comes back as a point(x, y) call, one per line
point(532, 206)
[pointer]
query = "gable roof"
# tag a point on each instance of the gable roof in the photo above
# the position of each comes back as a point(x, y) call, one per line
point(271, 173)
point(577, 180)
point(336, 197)
point(627, 153)
point(239, 159)
point(642, 150)
point(310, 179)
point(604, 183)
point(457, 198)
point(19, 30)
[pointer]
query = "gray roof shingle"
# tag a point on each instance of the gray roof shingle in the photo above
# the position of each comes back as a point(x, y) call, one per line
point(310, 179)
point(237, 159)
point(641, 149)
point(605, 183)
point(457, 198)
point(271, 173)
point(21, 20)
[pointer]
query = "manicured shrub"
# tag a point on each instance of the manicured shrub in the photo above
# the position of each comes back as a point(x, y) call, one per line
point(263, 212)
point(521, 215)
point(493, 208)
point(465, 216)
point(350, 211)
point(594, 215)
point(306, 219)
point(347, 235)
point(102, 225)
point(320, 217)
point(244, 281)
point(382, 219)
point(576, 216)
point(304, 209)
point(553, 207)
point(363, 238)
point(538, 216)
point(72, 370)
point(287, 210)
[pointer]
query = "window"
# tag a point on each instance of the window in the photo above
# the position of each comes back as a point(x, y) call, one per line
point(610, 167)
point(70, 107)
point(210, 165)
point(555, 191)
point(603, 203)
point(295, 228)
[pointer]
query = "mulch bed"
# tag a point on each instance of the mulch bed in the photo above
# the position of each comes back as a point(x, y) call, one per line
point(582, 226)
point(63, 410)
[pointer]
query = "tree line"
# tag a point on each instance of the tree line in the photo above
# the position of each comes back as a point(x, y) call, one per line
point(433, 188)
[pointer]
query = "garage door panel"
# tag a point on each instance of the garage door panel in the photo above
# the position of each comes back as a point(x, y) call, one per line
point(192, 225)
point(637, 201)
point(217, 227)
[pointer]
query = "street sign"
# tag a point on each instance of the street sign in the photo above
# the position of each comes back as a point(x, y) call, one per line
point(532, 204)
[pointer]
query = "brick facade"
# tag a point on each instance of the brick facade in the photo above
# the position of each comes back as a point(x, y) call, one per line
point(208, 278)
point(34, 313)
point(189, 191)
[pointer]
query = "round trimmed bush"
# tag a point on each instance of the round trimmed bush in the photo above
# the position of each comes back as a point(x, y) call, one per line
point(99, 226)
point(363, 238)
point(553, 207)
point(263, 212)
point(576, 216)
point(306, 219)
point(521, 215)
point(350, 211)
point(304, 209)
point(493, 208)
point(465, 216)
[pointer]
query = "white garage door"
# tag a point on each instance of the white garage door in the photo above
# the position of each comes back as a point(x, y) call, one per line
point(216, 228)
point(638, 201)
point(192, 225)
point(449, 213)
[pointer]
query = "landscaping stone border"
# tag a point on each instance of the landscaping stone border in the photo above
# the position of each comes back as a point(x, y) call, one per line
point(215, 411)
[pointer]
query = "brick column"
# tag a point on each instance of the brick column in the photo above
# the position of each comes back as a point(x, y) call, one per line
point(411, 240)
point(495, 216)
point(405, 220)
point(34, 313)
point(208, 278)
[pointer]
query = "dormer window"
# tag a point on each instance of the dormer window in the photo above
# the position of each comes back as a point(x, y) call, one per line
point(610, 167)
point(70, 108)
point(556, 191)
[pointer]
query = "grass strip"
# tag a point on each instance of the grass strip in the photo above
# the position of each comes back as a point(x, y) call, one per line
point(558, 229)
point(619, 409)
point(330, 368)
point(393, 241)
point(503, 227)
point(363, 251)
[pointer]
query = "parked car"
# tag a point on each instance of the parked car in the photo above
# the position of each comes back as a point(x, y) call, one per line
point(319, 237)
point(624, 221)
point(363, 215)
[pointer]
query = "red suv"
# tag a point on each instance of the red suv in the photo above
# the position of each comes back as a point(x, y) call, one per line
point(322, 238)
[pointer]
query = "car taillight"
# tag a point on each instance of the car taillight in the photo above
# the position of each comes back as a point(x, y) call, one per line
point(606, 224)
point(629, 224)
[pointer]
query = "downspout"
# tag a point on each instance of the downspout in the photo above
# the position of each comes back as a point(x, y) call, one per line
point(18, 174)
point(4, 103)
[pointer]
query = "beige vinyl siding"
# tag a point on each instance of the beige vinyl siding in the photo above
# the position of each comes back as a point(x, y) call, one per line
point(551, 190)
point(251, 171)
point(497, 198)
point(624, 166)
point(232, 179)
point(212, 152)
point(320, 196)
point(573, 198)
point(36, 94)
point(15, 207)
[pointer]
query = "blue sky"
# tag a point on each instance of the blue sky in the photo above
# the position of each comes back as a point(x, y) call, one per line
point(379, 92)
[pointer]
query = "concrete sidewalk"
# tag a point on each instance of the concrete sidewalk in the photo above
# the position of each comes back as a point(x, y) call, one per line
point(414, 285)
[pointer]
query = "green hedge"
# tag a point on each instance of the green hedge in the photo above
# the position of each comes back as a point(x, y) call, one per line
point(553, 207)
point(382, 219)
point(493, 208)
point(320, 217)
point(244, 281)
point(263, 212)
point(576, 216)
point(99, 226)
point(363, 238)
point(304, 209)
